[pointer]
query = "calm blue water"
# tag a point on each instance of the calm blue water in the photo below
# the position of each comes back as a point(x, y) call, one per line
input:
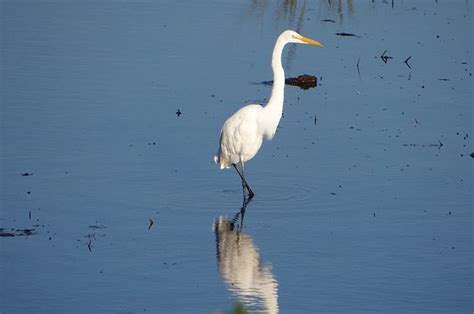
point(364, 198)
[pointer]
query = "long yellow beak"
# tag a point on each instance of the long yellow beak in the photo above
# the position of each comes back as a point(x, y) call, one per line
point(311, 42)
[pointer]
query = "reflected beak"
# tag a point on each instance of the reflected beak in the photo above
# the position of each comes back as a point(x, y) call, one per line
point(311, 42)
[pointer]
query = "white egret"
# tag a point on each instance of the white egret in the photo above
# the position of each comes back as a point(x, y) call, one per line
point(242, 133)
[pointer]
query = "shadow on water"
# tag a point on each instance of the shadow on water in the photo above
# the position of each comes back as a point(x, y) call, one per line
point(238, 259)
point(293, 14)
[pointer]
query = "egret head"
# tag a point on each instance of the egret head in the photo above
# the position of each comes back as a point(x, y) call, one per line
point(293, 37)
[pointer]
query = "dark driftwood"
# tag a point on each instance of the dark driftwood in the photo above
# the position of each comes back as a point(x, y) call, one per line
point(304, 81)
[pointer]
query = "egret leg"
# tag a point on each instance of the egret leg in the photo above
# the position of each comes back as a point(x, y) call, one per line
point(244, 182)
point(244, 194)
point(244, 188)
point(248, 187)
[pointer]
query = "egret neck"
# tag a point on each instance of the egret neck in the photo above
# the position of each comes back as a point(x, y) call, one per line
point(272, 112)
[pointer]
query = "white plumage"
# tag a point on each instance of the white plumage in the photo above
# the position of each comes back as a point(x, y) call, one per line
point(242, 133)
point(241, 136)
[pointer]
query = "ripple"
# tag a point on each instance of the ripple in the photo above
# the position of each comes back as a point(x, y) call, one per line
point(195, 192)
point(270, 190)
point(276, 195)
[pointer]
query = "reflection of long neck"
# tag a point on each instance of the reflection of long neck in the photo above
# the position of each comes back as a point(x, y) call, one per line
point(274, 108)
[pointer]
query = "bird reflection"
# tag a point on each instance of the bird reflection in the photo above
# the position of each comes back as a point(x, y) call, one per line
point(239, 263)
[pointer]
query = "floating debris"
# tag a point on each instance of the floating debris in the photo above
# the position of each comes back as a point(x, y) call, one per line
point(328, 20)
point(343, 34)
point(26, 174)
point(97, 226)
point(437, 145)
point(17, 232)
point(472, 155)
point(304, 81)
point(358, 69)
point(406, 62)
point(151, 223)
point(94, 235)
point(384, 57)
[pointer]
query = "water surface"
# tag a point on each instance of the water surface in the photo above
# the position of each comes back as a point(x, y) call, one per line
point(363, 199)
